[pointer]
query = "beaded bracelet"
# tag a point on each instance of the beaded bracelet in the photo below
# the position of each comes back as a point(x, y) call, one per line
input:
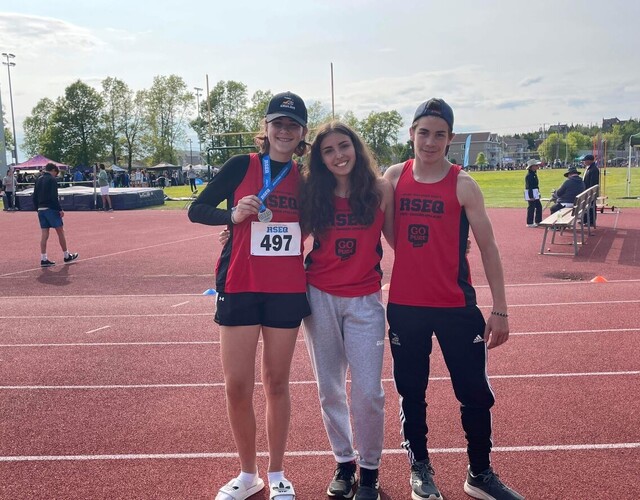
point(502, 315)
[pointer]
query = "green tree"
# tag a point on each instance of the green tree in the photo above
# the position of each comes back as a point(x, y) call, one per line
point(350, 119)
point(380, 132)
point(481, 159)
point(134, 125)
point(37, 127)
point(167, 104)
point(115, 94)
point(551, 147)
point(318, 114)
point(228, 104)
point(77, 135)
point(257, 109)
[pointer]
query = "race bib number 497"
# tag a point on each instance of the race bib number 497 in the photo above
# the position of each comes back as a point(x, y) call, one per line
point(275, 239)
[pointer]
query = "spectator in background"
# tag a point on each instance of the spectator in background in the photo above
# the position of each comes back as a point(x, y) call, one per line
point(591, 178)
point(566, 194)
point(137, 178)
point(78, 176)
point(9, 187)
point(50, 214)
point(532, 194)
point(103, 182)
point(191, 175)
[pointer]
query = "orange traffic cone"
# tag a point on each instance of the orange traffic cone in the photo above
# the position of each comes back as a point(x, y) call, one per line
point(599, 279)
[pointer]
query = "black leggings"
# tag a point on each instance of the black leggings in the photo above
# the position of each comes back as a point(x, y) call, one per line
point(459, 332)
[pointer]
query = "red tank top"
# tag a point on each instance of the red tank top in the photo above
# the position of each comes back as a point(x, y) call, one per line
point(238, 270)
point(431, 230)
point(345, 261)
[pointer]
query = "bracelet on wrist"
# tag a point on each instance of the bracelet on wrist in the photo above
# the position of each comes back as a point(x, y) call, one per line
point(502, 315)
point(233, 211)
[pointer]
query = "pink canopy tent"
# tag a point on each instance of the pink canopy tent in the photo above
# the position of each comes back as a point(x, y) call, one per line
point(38, 162)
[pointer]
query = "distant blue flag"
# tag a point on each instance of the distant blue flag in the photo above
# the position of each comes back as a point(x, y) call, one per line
point(467, 147)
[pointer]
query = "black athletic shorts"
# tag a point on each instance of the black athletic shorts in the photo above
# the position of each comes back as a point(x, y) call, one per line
point(275, 310)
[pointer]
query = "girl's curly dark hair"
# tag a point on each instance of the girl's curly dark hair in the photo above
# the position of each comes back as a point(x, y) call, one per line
point(317, 209)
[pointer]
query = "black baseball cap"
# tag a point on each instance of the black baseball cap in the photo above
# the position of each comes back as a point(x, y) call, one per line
point(435, 107)
point(287, 104)
point(588, 157)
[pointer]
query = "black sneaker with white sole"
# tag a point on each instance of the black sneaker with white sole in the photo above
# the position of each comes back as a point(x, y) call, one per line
point(422, 485)
point(487, 486)
point(344, 478)
point(369, 486)
point(47, 263)
point(70, 258)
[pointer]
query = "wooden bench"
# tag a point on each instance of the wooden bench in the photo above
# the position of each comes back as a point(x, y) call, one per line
point(570, 218)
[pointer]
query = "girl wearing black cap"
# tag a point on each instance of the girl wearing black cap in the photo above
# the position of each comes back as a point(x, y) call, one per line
point(261, 286)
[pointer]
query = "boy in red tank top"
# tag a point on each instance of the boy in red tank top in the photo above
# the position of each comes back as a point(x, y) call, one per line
point(436, 203)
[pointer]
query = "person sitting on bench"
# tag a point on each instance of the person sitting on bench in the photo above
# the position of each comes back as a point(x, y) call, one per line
point(565, 195)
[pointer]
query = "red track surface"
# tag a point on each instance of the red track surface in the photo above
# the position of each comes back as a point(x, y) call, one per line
point(111, 386)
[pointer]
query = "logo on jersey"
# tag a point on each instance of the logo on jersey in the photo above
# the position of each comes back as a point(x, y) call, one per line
point(345, 248)
point(282, 202)
point(422, 205)
point(418, 234)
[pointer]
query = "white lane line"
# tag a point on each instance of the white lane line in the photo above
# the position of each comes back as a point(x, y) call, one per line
point(85, 259)
point(112, 344)
point(577, 303)
point(176, 275)
point(551, 332)
point(151, 315)
point(300, 340)
point(312, 453)
point(293, 382)
point(123, 296)
point(93, 316)
point(98, 329)
point(181, 303)
point(118, 296)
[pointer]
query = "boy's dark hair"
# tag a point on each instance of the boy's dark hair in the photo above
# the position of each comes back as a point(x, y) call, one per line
point(50, 166)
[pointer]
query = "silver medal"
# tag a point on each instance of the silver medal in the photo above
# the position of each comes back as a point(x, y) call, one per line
point(265, 216)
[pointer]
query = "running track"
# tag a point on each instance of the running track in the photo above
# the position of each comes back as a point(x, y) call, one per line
point(111, 387)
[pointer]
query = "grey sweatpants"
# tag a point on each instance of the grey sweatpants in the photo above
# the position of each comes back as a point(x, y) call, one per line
point(341, 333)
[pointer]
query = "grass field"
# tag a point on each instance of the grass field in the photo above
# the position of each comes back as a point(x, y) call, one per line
point(506, 188)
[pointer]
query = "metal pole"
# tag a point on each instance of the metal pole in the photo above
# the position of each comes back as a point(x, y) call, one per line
point(198, 94)
point(333, 106)
point(8, 64)
point(629, 165)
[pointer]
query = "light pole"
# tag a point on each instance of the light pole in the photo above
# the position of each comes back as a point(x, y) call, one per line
point(198, 94)
point(629, 164)
point(190, 152)
point(8, 63)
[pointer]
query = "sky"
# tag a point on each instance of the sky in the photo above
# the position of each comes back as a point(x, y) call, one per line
point(505, 66)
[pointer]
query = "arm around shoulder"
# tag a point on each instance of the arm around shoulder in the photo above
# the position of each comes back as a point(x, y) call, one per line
point(387, 206)
point(392, 174)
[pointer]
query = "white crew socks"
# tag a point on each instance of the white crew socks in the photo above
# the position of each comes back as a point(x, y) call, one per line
point(248, 478)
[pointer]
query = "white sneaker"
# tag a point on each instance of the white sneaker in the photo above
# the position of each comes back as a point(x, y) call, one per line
point(532, 225)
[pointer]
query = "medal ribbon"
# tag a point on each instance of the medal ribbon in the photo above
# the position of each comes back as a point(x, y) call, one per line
point(267, 184)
